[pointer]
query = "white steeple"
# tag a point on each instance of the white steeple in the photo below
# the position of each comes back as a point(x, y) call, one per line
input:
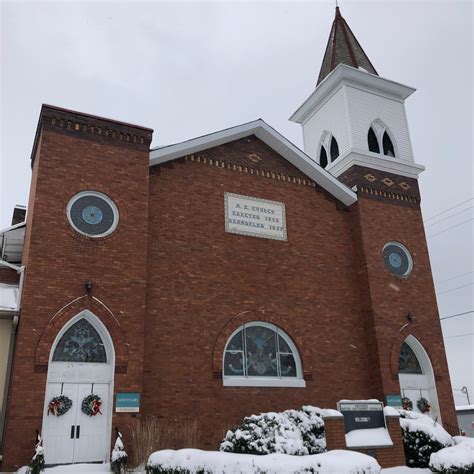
point(355, 117)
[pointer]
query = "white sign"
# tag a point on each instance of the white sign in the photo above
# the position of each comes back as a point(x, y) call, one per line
point(256, 217)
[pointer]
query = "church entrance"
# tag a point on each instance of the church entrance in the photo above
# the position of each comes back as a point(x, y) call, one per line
point(416, 377)
point(80, 380)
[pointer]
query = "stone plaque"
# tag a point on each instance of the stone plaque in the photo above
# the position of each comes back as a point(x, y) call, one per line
point(255, 217)
point(361, 414)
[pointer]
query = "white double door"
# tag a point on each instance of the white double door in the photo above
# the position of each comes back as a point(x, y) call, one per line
point(414, 387)
point(76, 437)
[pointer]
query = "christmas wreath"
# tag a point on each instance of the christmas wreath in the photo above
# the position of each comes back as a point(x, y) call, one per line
point(407, 403)
point(423, 405)
point(91, 405)
point(59, 405)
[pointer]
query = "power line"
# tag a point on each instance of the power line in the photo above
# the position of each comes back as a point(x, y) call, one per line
point(448, 217)
point(449, 208)
point(454, 289)
point(461, 335)
point(453, 278)
point(456, 315)
point(449, 228)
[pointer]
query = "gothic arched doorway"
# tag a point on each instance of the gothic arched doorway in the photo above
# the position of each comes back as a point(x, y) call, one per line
point(416, 376)
point(81, 363)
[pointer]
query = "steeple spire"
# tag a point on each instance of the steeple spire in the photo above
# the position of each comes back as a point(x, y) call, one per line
point(344, 48)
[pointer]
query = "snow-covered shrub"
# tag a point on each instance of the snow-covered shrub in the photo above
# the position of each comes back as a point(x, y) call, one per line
point(296, 432)
point(37, 461)
point(422, 436)
point(195, 461)
point(458, 459)
point(118, 458)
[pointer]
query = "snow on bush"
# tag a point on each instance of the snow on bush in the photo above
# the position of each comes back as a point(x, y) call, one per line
point(422, 436)
point(458, 459)
point(297, 432)
point(195, 461)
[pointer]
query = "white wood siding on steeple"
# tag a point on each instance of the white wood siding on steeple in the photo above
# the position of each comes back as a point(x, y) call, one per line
point(364, 107)
point(332, 116)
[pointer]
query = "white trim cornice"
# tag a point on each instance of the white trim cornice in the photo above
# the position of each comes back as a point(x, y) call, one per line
point(375, 161)
point(270, 137)
point(348, 75)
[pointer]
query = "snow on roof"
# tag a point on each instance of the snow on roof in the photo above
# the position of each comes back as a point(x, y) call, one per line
point(464, 407)
point(8, 297)
point(270, 137)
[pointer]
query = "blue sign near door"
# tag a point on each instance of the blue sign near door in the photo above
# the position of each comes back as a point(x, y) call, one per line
point(127, 402)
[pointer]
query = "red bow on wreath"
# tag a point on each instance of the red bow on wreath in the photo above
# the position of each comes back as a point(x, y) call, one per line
point(96, 407)
point(53, 407)
point(91, 405)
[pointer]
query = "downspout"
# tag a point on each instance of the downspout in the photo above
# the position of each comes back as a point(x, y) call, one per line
point(15, 320)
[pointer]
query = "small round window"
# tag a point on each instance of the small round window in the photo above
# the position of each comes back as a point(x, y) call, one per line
point(92, 214)
point(397, 259)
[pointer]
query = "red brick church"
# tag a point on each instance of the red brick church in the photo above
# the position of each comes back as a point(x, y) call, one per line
point(229, 274)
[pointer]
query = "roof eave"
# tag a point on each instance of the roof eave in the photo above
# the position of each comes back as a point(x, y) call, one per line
point(274, 140)
point(350, 76)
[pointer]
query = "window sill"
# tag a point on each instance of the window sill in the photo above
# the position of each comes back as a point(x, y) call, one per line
point(262, 382)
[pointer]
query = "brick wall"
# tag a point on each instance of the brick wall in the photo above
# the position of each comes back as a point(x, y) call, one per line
point(203, 283)
point(178, 285)
point(74, 152)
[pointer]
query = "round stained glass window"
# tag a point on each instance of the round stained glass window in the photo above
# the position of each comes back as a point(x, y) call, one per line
point(397, 259)
point(93, 214)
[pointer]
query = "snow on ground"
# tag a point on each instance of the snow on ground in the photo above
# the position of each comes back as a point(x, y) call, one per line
point(368, 438)
point(464, 407)
point(406, 470)
point(218, 462)
point(74, 469)
point(459, 456)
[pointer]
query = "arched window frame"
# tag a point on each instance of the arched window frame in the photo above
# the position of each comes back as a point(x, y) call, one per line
point(325, 142)
point(255, 381)
point(421, 354)
point(379, 129)
point(97, 324)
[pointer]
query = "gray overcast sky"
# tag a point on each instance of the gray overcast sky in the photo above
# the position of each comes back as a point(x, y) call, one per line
point(186, 69)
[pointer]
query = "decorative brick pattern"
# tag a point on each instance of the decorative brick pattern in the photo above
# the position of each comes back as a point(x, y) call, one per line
point(384, 187)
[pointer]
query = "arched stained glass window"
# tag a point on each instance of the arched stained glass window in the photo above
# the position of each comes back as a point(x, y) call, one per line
point(408, 362)
point(387, 145)
point(261, 350)
point(373, 142)
point(80, 343)
point(334, 149)
point(323, 157)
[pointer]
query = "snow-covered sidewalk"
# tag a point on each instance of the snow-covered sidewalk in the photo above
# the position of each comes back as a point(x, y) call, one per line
point(101, 468)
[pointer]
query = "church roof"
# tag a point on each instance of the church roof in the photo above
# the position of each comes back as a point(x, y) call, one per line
point(343, 48)
point(270, 137)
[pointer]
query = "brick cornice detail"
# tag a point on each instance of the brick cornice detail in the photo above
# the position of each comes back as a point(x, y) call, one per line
point(57, 322)
point(90, 127)
point(383, 186)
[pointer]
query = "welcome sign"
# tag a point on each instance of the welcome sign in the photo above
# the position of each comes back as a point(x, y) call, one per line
point(263, 218)
point(361, 414)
